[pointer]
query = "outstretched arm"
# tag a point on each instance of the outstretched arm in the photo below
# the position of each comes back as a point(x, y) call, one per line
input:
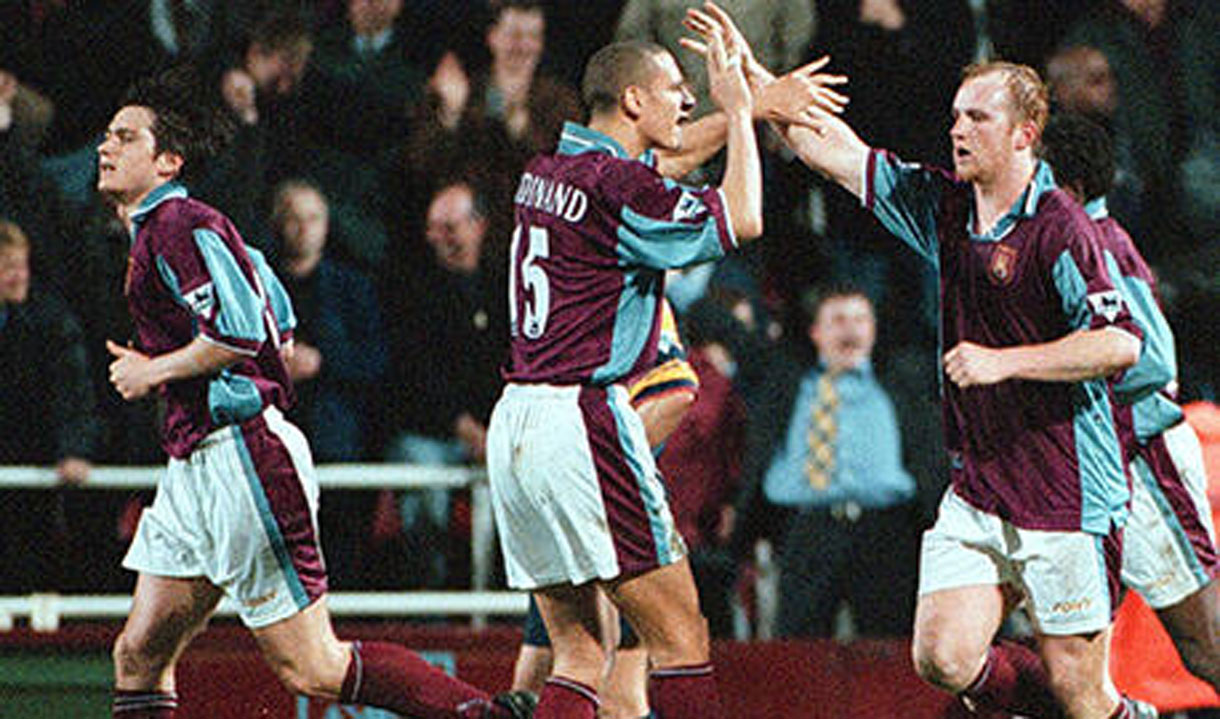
point(786, 99)
point(814, 132)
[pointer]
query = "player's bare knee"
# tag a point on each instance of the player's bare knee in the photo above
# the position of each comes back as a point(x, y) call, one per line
point(138, 659)
point(946, 665)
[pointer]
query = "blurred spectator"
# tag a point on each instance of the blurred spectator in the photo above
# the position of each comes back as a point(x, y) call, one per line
point(261, 89)
point(1081, 81)
point(48, 419)
point(1165, 56)
point(30, 197)
point(490, 122)
point(24, 112)
point(364, 82)
point(824, 471)
point(339, 342)
point(779, 31)
point(903, 60)
point(338, 359)
point(448, 342)
point(1024, 31)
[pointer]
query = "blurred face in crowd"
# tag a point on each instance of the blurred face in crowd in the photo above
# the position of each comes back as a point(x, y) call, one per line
point(844, 331)
point(454, 231)
point(985, 135)
point(129, 166)
point(516, 39)
point(277, 71)
point(304, 222)
point(370, 17)
point(14, 274)
point(664, 103)
point(1081, 81)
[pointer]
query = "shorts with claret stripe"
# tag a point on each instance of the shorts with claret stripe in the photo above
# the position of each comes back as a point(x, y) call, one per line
point(240, 511)
point(575, 490)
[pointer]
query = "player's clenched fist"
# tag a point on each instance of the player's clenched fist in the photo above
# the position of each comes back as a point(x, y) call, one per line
point(130, 372)
point(969, 364)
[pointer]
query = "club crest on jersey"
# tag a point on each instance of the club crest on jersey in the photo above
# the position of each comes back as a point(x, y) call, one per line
point(201, 300)
point(688, 207)
point(1003, 264)
point(1107, 303)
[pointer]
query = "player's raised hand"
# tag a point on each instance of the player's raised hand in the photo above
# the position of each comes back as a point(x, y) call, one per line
point(129, 372)
point(726, 82)
point(702, 22)
point(796, 97)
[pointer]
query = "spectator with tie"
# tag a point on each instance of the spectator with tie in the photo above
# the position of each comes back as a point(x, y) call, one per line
point(829, 465)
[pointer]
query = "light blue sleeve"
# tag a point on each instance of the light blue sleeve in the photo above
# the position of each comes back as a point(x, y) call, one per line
point(1158, 364)
point(239, 313)
point(904, 197)
point(281, 303)
point(669, 225)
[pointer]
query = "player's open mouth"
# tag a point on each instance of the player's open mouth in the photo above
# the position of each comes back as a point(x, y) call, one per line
point(960, 152)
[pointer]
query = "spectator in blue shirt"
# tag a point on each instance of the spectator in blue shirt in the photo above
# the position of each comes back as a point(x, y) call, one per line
point(828, 466)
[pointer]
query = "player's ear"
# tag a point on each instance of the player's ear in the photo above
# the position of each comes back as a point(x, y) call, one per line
point(1026, 135)
point(631, 101)
point(168, 164)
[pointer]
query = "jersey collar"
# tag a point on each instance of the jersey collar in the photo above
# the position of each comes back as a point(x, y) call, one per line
point(1025, 207)
point(168, 191)
point(577, 139)
point(1097, 209)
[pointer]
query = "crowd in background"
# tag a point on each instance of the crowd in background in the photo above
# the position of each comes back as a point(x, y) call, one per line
point(377, 147)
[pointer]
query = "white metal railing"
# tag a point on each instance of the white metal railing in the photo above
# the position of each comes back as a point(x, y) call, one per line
point(45, 610)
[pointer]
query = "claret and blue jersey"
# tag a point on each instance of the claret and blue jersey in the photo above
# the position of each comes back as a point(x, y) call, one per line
point(190, 275)
point(1041, 455)
point(595, 230)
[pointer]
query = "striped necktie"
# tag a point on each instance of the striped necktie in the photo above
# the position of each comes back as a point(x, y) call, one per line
point(823, 430)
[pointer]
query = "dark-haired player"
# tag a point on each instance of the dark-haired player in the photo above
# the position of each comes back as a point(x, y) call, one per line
point(578, 501)
point(1169, 551)
point(236, 512)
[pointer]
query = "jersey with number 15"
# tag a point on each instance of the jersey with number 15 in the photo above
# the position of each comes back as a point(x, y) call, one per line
point(595, 230)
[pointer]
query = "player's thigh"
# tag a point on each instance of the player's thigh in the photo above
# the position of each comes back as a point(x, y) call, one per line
point(304, 652)
point(662, 606)
point(166, 612)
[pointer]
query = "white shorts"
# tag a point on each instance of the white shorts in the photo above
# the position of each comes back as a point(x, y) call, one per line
point(575, 490)
point(1069, 579)
point(240, 511)
point(1169, 550)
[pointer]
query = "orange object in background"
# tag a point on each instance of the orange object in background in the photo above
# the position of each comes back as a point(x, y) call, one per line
point(1143, 660)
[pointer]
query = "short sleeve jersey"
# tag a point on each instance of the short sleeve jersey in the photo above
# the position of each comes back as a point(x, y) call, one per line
point(1041, 455)
point(595, 230)
point(1153, 410)
point(189, 275)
